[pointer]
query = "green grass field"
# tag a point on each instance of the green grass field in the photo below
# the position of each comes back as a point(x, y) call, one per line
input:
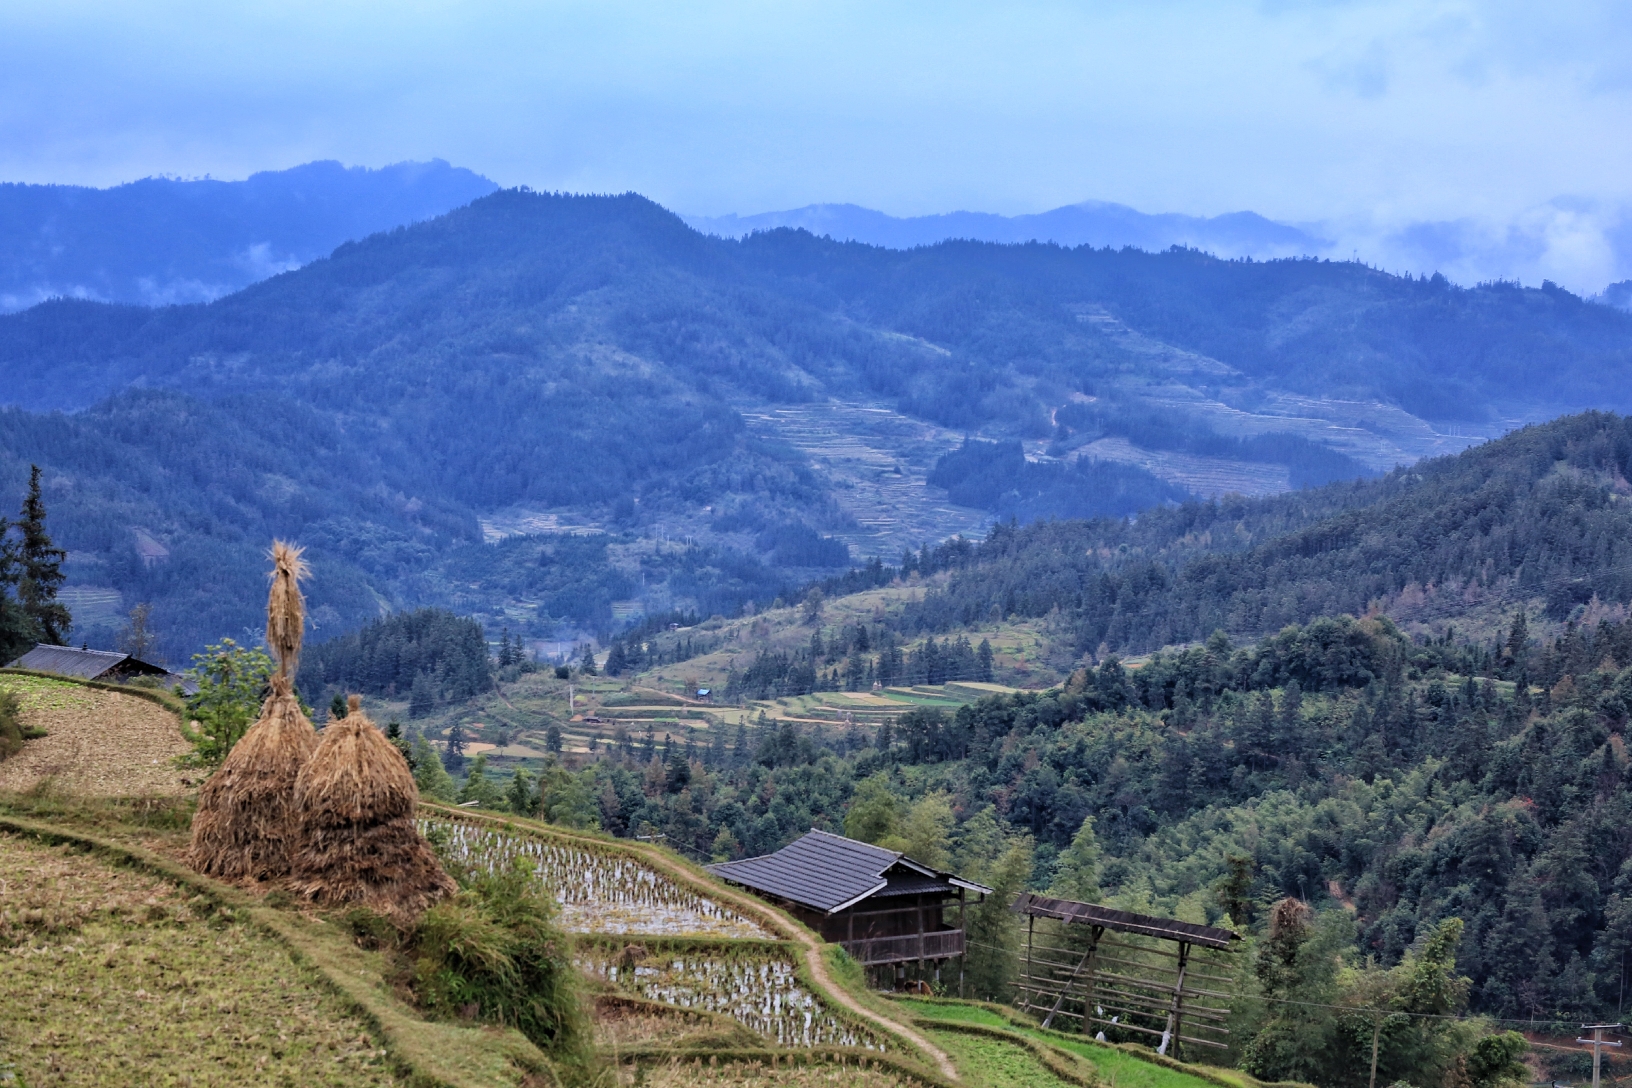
point(1126, 1070)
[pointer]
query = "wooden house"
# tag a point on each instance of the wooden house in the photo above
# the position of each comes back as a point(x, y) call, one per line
point(881, 905)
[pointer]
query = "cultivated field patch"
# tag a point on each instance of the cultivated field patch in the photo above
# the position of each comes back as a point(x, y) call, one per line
point(115, 977)
point(762, 992)
point(600, 891)
point(692, 1073)
point(98, 743)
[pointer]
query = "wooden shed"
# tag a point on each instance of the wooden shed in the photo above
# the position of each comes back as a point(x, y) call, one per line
point(882, 906)
point(1120, 972)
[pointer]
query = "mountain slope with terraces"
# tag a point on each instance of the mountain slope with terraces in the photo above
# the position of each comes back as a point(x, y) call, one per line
point(690, 982)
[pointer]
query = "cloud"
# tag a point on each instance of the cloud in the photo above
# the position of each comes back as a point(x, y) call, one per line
point(1388, 111)
point(1583, 245)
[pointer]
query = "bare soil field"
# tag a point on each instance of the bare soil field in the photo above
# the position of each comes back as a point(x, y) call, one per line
point(98, 743)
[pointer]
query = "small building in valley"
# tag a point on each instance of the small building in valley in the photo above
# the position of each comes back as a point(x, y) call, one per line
point(103, 665)
point(882, 906)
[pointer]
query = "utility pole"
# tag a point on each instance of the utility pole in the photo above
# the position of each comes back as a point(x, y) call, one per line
point(1376, 1033)
point(1597, 1043)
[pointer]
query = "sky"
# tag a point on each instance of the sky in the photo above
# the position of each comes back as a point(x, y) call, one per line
point(1495, 134)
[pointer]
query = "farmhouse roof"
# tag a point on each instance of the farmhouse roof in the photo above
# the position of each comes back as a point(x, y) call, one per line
point(830, 873)
point(89, 664)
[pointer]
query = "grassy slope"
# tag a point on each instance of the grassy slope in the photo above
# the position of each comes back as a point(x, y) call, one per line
point(1125, 1067)
point(116, 973)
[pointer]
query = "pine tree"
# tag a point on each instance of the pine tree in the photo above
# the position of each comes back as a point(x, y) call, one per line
point(40, 570)
point(422, 699)
point(430, 776)
point(456, 747)
point(1076, 875)
point(984, 659)
point(587, 664)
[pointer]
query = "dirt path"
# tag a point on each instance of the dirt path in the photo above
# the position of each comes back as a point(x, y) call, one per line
point(99, 743)
point(818, 968)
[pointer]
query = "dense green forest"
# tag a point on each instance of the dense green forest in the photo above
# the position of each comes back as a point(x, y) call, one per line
point(429, 654)
point(594, 355)
point(996, 476)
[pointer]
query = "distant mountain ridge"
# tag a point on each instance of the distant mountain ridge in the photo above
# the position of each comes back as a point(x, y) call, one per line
point(159, 240)
point(637, 417)
point(1094, 223)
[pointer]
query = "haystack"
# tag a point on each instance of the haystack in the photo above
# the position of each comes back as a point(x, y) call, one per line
point(244, 827)
point(355, 801)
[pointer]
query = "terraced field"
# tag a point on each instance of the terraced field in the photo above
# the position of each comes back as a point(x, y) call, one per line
point(1124, 1067)
point(879, 462)
point(602, 891)
point(98, 742)
point(129, 963)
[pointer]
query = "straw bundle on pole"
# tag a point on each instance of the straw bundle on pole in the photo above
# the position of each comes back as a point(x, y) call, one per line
point(355, 802)
point(244, 827)
point(286, 608)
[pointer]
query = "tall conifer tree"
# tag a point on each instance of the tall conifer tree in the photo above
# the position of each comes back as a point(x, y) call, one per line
point(39, 569)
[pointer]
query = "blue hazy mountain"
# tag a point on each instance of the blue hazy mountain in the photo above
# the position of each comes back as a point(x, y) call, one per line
point(160, 240)
point(1238, 234)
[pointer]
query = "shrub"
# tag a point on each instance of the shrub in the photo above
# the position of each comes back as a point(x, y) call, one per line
point(11, 726)
point(232, 681)
point(493, 953)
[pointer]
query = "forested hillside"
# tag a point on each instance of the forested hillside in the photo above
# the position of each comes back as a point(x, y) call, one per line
point(538, 364)
point(1389, 783)
point(1541, 514)
point(1539, 519)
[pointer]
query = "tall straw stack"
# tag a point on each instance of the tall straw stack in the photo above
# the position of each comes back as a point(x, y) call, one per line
point(286, 608)
point(244, 827)
point(355, 802)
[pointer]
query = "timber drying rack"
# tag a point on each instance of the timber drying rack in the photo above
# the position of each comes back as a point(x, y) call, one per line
point(1144, 980)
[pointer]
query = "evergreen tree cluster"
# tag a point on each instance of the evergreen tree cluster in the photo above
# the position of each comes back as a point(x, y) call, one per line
point(845, 663)
point(664, 638)
point(430, 654)
point(30, 575)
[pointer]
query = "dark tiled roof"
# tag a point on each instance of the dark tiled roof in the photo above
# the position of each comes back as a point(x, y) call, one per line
point(914, 884)
point(67, 661)
point(86, 664)
point(829, 872)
